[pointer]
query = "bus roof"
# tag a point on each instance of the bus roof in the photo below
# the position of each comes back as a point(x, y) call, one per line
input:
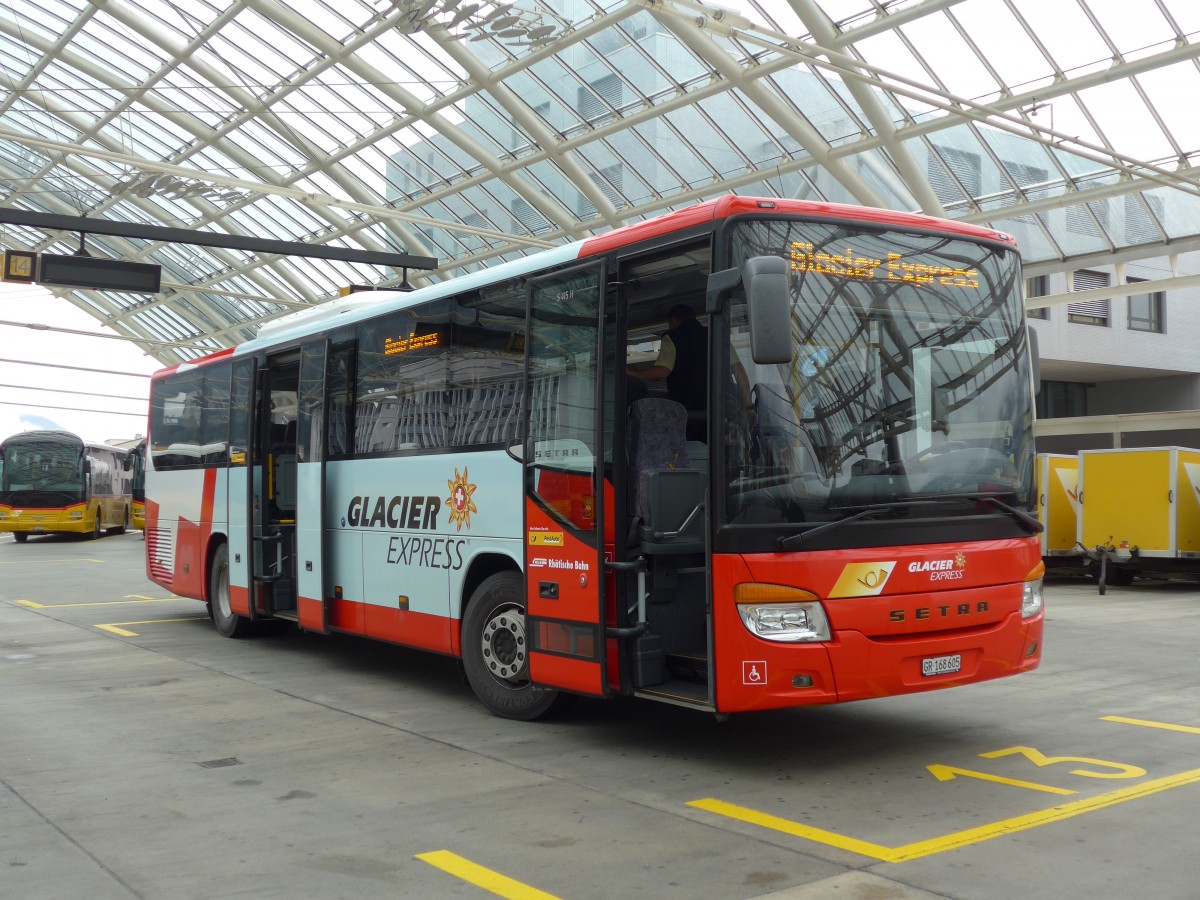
point(44, 436)
point(201, 361)
point(49, 436)
point(363, 305)
point(732, 205)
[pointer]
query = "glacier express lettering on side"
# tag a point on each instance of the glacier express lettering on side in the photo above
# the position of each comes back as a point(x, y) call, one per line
point(426, 552)
point(394, 512)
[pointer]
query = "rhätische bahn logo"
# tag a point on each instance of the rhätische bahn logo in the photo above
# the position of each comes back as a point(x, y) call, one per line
point(460, 502)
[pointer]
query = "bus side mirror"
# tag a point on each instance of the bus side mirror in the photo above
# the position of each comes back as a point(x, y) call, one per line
point(765, 279)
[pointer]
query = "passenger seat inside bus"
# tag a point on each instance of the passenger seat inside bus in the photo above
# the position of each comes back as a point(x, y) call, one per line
point(668, 488)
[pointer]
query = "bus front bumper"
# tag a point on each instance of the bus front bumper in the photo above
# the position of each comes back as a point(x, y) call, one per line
point(72, 520)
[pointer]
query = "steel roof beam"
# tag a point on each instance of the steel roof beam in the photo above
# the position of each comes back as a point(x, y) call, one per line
point(917, 181)
point(533, 124)
point(798, 128)
point(885, 21)
point(10, 216)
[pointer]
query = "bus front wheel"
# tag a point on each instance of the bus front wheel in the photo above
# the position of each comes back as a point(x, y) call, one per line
point(495, 651)
point(96, 532)
point(20, 537)
point(229, 624)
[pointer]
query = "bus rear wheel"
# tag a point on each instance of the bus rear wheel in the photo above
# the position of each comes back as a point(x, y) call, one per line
point(229, 624)
point(496, 651)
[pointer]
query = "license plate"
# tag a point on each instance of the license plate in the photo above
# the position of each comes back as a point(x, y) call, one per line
point(941, 665)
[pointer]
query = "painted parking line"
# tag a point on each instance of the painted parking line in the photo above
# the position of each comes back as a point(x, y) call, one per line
point(118, 629)
point(1146, 723)
point(473, 873)
point(1088, 768)
point(129, 598)
point(42, 562)
point(956, 839)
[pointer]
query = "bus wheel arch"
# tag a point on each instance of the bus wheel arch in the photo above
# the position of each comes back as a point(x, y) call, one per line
point(229, 624)
point(495, 650)
point(126, 518)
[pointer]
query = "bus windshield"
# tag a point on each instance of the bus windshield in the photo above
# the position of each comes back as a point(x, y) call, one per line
point(41, 470)
point(137, 470)
point(909, 386)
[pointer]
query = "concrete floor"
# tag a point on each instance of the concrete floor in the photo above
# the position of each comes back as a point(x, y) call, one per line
point(142, 755)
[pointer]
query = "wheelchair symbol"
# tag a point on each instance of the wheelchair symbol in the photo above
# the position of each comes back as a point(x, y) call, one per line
point(754, 671)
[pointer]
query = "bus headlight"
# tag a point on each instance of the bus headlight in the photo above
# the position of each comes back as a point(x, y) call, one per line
point(778, 613)
point(1033, 599)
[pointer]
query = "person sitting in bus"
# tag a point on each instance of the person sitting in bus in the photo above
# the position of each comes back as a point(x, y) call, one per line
point(683, 362)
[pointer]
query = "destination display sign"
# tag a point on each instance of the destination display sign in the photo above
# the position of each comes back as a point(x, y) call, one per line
point(392, 346)
point(805, 257)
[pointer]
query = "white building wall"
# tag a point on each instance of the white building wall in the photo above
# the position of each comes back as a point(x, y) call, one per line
point(1175, 350)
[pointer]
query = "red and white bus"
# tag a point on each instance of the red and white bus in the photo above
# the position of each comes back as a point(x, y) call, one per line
point(467, 468)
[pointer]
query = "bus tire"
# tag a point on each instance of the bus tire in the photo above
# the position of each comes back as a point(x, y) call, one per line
point(229, 624)
point(495, 651)
point(125, 523)
point(96, 530)
point(20, 537)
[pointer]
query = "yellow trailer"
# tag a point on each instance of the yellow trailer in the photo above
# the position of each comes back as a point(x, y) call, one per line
point(1058, 505)
point(1140, 510)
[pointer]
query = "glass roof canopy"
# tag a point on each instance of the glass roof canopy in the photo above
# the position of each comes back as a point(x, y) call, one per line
point(475, 131)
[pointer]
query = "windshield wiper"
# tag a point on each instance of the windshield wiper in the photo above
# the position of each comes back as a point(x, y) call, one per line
point(798, 539)
point(1030, 523)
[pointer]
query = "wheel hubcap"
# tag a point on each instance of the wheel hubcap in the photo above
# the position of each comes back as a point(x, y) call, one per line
point(223, 594)
point(504, 645)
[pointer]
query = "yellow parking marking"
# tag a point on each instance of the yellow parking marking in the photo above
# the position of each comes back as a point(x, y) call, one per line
point(115, 627)
point(472, 873)
point(42, 562)
point(33, 604)
point(949, 773)
point(1146, 723)
point(1038, 758)
point(957, 839)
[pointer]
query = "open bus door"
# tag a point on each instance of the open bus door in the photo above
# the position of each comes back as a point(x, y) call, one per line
point(565, 512)
point(241, 485)
point(272, 488)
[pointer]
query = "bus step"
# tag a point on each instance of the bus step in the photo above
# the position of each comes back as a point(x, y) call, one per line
point(680, 693)
point(688, 668)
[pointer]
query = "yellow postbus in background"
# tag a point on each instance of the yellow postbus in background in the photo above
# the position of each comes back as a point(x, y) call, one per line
point(54, 482)
point(137, 471)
